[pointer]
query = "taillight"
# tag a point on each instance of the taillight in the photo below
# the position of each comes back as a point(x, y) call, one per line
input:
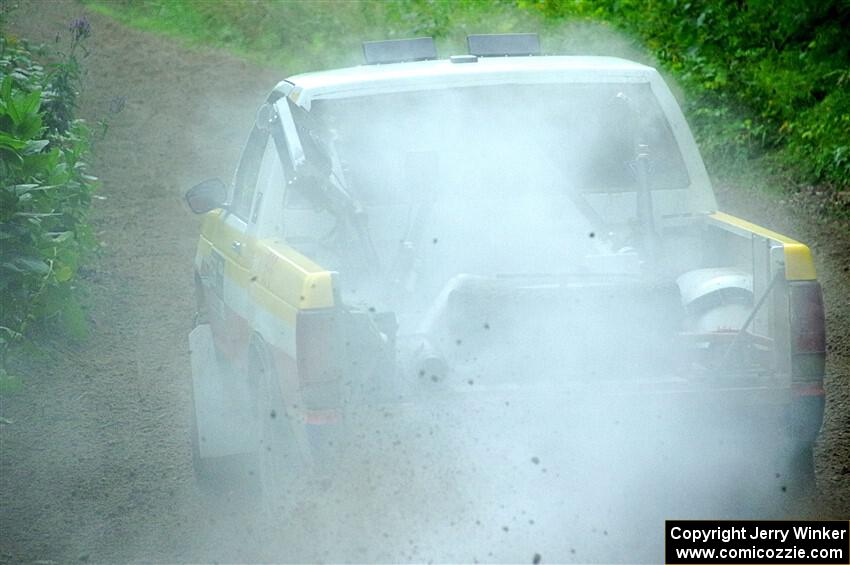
point(318, 351)
point(808, 334)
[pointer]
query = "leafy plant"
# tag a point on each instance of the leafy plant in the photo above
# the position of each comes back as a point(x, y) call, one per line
point(45, 189)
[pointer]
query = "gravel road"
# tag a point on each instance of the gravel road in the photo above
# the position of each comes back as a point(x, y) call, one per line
point(96, 464)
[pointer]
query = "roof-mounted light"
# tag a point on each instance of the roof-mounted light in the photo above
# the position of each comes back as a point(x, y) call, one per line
point(503, 44)
point(399, 50)
point(460, 59)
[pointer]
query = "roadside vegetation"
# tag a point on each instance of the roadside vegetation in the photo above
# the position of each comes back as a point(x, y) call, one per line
point(766, 84)
point(45, 188)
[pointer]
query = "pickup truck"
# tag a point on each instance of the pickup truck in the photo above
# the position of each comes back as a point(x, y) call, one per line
point(395, 230)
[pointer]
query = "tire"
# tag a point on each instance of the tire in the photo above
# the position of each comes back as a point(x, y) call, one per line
point(280, 467)
point(800, 469)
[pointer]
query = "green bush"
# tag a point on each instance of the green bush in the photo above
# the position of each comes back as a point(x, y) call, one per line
point(45, 190)
point(762, 76)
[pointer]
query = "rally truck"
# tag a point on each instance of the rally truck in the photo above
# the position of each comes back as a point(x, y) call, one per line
point(396, 230)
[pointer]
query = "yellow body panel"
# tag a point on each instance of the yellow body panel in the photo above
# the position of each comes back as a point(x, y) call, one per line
point(277, 278)
point(293, 277)
point(282, 281)
point(799, 265)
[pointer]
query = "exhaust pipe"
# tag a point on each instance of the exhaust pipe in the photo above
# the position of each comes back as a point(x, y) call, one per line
point(428, 364)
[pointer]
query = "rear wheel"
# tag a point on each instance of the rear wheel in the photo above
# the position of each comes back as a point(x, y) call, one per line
point(800, 469)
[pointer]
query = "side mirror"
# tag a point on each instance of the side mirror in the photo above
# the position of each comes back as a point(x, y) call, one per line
point(206, 196)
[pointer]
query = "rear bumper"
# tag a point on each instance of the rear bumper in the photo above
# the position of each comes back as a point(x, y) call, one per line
point(792, 413)
point(659, 413)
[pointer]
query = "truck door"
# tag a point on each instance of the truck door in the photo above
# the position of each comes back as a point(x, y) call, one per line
point(233, 247)
point(252, 220)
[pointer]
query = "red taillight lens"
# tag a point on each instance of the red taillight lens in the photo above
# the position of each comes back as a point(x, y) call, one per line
point(317, 338)
point(807, 322)
point(808, 334)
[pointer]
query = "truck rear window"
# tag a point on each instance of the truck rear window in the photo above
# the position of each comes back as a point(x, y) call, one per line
point(490, 142)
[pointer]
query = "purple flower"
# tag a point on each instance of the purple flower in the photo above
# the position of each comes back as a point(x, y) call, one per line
point(80, 28)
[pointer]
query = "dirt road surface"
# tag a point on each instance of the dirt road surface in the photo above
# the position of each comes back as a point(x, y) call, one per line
point(96, 464)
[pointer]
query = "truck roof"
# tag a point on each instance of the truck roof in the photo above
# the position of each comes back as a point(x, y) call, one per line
point(444, 73)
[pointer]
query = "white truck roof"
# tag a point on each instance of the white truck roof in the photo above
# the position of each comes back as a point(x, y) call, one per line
point(388, 78)
point(443, 73)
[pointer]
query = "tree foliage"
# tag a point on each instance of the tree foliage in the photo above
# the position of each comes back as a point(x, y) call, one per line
point(759, 75)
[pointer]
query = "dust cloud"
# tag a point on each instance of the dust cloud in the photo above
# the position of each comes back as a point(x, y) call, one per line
point(516, 427)
point(532, 411)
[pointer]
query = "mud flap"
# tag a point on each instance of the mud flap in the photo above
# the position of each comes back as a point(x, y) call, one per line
point(223, 415)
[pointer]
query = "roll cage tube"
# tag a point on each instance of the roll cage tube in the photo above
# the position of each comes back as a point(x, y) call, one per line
point(640, 167)
point(319, 183)
point(320, 165)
